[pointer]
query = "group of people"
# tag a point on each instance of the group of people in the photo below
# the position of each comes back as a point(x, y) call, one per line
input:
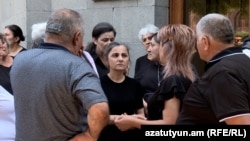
point(64, 91)
point(9, 47)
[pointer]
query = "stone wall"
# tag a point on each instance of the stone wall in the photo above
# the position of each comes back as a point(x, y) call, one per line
point(127, 16)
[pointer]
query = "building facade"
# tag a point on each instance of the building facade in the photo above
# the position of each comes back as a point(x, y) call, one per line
point(127, 16)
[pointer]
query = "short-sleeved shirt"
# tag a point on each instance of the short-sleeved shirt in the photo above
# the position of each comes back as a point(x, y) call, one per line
point(172, 86)
point(124, 97)
point(53, 90)
point(222, 92)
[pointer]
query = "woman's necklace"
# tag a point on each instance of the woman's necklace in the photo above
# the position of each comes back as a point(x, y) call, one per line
point(159, 74)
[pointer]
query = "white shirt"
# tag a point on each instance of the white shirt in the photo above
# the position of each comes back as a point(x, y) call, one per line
point(7, 116)
point(91, 61)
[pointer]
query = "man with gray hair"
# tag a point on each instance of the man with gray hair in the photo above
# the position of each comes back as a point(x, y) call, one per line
point(57, 95)
point(38, 34)
point(221, 95)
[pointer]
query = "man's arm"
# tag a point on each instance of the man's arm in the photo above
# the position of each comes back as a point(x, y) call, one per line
point(98, 118)
point(239, 120)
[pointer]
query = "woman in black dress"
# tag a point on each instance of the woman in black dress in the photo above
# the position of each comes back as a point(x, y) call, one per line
point(124, 93)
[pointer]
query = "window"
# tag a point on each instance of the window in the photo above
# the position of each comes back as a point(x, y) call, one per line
point(190, 11)
point(236, 10)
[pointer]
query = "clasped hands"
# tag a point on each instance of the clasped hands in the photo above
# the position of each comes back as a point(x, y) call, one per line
point(125, 122)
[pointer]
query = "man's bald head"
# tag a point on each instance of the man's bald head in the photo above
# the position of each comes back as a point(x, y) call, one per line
point(65, 28)
point(64, 22)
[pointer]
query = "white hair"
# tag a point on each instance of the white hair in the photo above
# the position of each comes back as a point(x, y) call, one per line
point(38, 30)
point(149, 28)
point(38, 33)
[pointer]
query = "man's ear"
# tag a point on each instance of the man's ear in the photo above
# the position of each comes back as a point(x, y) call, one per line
point(206, 42)
point(77, 38)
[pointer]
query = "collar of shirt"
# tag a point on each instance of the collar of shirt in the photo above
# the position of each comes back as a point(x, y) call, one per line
point(52, 46)
point(223, 54)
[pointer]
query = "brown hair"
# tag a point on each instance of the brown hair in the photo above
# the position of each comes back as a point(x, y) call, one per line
point(113, 45)
point(3, 39)
point(179, 43)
